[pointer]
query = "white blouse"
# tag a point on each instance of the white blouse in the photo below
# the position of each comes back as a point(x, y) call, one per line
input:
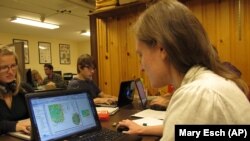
point(205, 98)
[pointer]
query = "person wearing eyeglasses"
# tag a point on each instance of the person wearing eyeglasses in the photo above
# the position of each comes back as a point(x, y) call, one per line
point(85, 70)
point(13, 110)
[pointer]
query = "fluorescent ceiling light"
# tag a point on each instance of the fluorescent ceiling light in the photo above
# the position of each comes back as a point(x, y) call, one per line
point(33, 23)
point(85, 33)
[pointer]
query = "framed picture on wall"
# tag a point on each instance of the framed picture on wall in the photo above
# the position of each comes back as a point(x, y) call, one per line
point(26, 49)
point(44, 50)
point(64, 53)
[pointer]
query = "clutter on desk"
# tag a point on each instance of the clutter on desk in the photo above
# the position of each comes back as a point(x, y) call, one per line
point(103, 115)
point(111, 110)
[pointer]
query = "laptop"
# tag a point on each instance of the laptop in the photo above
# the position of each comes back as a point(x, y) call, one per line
point(143, 97)
point(148, 111)
point(125, 96)
point(141, 93)
point(68, 115)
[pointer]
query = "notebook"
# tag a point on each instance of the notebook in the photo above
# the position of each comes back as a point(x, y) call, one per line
point(110, 110)
point(68, 115)
point(125, 96)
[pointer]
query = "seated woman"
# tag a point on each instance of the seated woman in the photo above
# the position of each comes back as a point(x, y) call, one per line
point(37, 78)
point(13, 110)
point(85, 71)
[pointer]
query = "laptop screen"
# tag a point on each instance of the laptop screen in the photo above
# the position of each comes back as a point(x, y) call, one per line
point(126, 93)
point(60, 116)
point(141, 92)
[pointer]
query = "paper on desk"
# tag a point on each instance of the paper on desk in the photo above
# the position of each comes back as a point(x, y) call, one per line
point(148, 121)
point(151, 114)
point(111, 110)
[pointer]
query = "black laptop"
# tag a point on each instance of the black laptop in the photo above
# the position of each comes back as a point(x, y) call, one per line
point(68, 115)
point(125, 96)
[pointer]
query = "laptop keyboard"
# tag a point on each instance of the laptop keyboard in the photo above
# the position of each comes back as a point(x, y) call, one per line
point(103, 135)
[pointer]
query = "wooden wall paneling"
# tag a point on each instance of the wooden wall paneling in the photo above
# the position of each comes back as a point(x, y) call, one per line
point(100, 49)
point(123, 42)
point(238, 49)
point(133, 61)
point(243, 33)
point(247, 43)
point(209, 19)
point(103, 57)
point(98, 56)
point(114, 55)
point(106, 60)
point(223, 33)
point(112, 39)
point(233, 32)
point(221, 20)
point(196, 7)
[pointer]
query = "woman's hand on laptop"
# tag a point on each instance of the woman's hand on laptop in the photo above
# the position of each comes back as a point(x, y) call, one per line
point(111, 100)
point(23, 125)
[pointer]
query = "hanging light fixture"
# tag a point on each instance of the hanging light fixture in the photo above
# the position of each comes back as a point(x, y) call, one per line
point(33, 23)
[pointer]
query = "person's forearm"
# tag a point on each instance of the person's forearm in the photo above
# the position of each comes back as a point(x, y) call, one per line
point(152, 130)
point(98, 100)
point(7, 126)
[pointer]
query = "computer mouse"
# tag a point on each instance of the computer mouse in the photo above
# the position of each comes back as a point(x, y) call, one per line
point(122, 128)
point(158, 107)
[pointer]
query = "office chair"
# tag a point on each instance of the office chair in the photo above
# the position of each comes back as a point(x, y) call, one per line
point(67, 77)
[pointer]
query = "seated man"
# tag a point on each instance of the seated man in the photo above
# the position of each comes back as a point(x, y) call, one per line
point(85, 71)
point(52, 80)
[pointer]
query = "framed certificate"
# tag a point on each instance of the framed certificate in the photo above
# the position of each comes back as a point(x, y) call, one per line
point(44, 49)
point(64, 53)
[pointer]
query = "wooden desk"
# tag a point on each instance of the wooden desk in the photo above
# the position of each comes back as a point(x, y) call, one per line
point(8, 138)
point(123, 113)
